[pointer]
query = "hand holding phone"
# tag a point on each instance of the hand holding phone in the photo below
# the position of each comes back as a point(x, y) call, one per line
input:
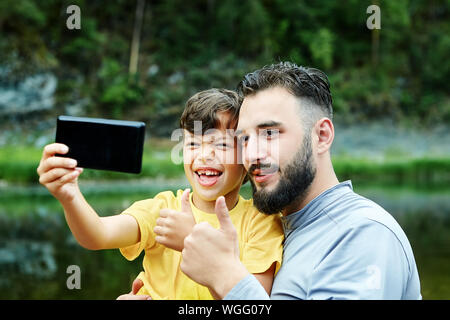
point(102, 144)
point(59, 174)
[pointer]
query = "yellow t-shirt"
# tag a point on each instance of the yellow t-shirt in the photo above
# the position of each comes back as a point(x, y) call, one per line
point(260, 245)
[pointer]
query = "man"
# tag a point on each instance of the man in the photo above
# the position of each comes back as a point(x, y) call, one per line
point(338, 245)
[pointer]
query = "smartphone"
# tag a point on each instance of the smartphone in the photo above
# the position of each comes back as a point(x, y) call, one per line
point(102, 144)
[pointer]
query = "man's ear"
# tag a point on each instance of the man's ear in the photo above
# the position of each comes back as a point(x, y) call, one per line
point(324, 130)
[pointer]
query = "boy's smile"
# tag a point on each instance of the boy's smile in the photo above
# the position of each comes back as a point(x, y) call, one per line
point(211, 165)
point(207, 176)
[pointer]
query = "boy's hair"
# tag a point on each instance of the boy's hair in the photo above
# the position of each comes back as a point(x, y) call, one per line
point(205, 105)
point(309, 84)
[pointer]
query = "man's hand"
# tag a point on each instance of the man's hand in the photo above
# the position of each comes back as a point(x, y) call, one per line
point(172, 226)
point(137, 284)
point(211, 256)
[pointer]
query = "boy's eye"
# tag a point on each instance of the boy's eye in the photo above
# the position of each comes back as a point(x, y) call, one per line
point(223, 145)
point(243, 139)
point(192, 144)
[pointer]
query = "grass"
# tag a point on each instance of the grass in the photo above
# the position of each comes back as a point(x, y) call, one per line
point(415, 171)
point(18, 164)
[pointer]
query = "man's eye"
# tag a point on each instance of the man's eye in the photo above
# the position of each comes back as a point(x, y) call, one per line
point(192, 144)
point(270, 133)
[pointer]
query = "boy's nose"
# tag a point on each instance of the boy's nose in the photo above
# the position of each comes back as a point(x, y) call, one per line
point(207, 153)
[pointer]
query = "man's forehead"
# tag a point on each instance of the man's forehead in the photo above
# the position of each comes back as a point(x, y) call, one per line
point(274, 105)
point(259, 119)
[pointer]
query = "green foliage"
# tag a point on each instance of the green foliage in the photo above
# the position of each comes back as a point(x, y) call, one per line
point(400, 71)
point(321, 47)
point(118, 90)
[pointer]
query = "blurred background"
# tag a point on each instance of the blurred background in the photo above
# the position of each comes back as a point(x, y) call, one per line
point(141, 60)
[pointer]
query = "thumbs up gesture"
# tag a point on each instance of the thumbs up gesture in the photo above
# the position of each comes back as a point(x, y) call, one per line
point(173, 226)
point(226, 226)
point(211, 256)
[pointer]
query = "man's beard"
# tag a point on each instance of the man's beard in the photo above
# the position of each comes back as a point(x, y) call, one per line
point(293, 184)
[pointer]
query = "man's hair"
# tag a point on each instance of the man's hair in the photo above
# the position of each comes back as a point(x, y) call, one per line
point(205, 105)
point(309, 84)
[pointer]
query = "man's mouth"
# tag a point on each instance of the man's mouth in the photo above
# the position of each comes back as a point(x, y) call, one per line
point(262, 173)
point(208, 176)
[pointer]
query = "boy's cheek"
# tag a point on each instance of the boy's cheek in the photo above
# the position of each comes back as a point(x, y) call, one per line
point(223, 158)
point(188, 156)
point(188, 173)
point(228, 157)
point(235, 172)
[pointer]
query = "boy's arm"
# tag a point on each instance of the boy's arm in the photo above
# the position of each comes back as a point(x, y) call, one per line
point(94, 232)
point(266, 278)
point(60, 176)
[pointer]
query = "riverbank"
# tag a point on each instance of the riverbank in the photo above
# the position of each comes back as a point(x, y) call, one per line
point(18, 165)
point(381, 152)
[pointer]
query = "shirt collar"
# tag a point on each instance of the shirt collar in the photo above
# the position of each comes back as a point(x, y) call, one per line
point(211, 216)
point(314, 207)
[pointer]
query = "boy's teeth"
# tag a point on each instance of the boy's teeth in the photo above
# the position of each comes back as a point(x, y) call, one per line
point(209, 173)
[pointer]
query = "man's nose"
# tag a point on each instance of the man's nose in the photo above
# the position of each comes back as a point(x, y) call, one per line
point(255, 150)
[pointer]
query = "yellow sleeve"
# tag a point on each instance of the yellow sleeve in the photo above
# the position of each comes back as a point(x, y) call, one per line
point(265, 243)
point(146, 212)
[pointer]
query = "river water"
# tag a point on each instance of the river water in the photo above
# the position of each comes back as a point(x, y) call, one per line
point(36, 246)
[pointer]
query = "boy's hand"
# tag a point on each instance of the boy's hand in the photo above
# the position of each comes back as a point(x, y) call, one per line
point(173, 226)
point(58, 174)
point(137, 284)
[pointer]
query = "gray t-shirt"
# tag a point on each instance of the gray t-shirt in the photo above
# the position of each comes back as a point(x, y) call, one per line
point(340, 246)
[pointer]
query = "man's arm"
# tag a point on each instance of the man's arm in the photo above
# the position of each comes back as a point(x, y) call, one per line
point(211, 256)
point(368, 262)
point(172, 227)
point(247, 289)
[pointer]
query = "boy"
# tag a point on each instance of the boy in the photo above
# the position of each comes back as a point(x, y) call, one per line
point(159, 224)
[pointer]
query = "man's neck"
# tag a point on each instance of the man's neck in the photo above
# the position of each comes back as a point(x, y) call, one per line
point(324, 180)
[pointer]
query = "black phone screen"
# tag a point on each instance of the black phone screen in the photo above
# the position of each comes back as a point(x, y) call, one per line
point(103, 144)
